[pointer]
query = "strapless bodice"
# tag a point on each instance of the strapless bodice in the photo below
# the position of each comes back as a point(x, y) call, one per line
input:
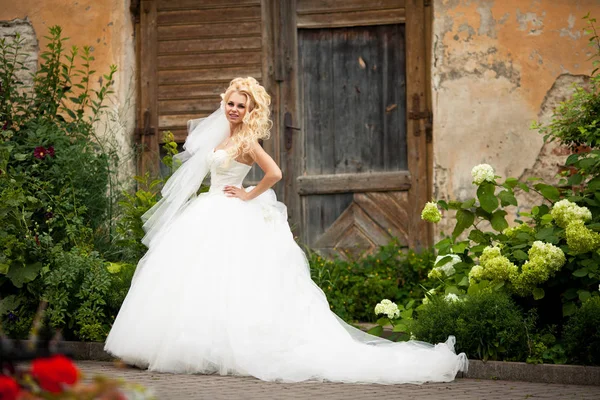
point(226, 172)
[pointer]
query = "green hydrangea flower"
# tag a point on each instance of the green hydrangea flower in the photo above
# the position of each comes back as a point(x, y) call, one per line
point(580, 238)
point(435, 273)
point(564, 212)
point(494, 266)
point(431, 213)
point(545, 260)
point(513, 231)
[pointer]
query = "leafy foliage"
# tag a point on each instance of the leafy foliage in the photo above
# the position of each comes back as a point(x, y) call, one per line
point(353, 287)
point(581, 334)
point(487, 325)
point(56, 190)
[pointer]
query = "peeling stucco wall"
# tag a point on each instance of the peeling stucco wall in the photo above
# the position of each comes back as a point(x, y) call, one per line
point(497, 66)
point(106, 26)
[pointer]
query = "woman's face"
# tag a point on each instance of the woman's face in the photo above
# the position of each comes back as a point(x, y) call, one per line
point(235, 108)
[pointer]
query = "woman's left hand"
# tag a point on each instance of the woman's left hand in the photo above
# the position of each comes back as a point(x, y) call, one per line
point(234, 191)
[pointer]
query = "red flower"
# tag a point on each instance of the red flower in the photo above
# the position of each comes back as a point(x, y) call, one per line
point(50, 151)
point(54, 373)
point(9, 388)
point(40, 152)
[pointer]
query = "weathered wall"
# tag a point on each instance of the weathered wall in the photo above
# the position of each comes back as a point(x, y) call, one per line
point(498, 66)
point(107, 26)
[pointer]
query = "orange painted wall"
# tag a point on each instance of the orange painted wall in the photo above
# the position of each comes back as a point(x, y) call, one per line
point(494, 64)
point(107, 26)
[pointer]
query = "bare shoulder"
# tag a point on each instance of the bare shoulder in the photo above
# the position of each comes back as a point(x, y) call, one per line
point(258, 153)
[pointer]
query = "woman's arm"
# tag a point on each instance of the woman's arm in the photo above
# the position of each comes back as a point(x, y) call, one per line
point(269, 167)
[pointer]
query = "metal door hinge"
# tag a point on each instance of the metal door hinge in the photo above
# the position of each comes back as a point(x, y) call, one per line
point(146, 130)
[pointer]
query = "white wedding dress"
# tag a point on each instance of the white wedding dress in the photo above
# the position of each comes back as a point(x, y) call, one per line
point(227, 290)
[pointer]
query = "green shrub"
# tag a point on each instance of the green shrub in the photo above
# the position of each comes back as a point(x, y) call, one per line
point(353, 287)
point(581, 334)
point(130, 230)
point(487, 325)
point(83, 292)
point(54, 171)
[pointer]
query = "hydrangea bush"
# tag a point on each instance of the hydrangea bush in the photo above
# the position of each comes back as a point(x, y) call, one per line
point(543, 251)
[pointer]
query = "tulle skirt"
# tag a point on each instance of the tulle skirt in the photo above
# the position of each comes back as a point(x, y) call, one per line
point(227, 290)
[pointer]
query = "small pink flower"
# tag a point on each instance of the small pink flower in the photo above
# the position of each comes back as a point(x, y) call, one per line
point(50, 151)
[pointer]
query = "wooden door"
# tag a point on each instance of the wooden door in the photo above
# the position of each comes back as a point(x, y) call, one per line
point(362, 176)
point(189, 52)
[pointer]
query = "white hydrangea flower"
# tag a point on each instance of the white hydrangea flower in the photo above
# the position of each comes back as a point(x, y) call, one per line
point(451, 297)
point(448, 268)
point(388, 308)
point(482, 173)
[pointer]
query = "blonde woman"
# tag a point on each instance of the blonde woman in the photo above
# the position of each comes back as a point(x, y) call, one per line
point(224, 288)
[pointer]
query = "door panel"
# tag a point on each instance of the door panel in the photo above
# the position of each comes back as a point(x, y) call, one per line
point(355, 145)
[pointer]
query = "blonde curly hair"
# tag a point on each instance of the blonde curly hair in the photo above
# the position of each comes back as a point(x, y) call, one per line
point(256, 123)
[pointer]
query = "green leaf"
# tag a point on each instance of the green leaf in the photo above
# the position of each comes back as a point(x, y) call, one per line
point(443, 261)
point(478, 237)
point(520, 255)
point(572, 159)
point(581, 272)
point(443, 204)
point(524, 187)
point(487, 197)
point(570, 294)
point(464, 219)
point(548, 191)
point(21, 275)
point(510, 183)
point(569, 309)
point(444, 243)
point(452, 289)
point(538, 293)
point(400, 328)
point(464, 281)
point(594, 184)
point(9, 303)
point(498, 221)
point(376, 330)
point(575, 179)
point(584, 295)
point(20, 157)
point(507, 198)
point(459, 247)
point(468, 204)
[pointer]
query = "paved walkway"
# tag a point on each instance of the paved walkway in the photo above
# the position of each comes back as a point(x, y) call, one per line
point(179, 387)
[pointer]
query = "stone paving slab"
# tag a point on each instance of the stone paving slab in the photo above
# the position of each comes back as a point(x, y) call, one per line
point(180, 387)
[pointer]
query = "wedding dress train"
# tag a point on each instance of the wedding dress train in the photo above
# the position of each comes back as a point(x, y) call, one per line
point(227, 290)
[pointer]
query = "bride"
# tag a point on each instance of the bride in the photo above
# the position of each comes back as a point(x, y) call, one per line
point(224, 288)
